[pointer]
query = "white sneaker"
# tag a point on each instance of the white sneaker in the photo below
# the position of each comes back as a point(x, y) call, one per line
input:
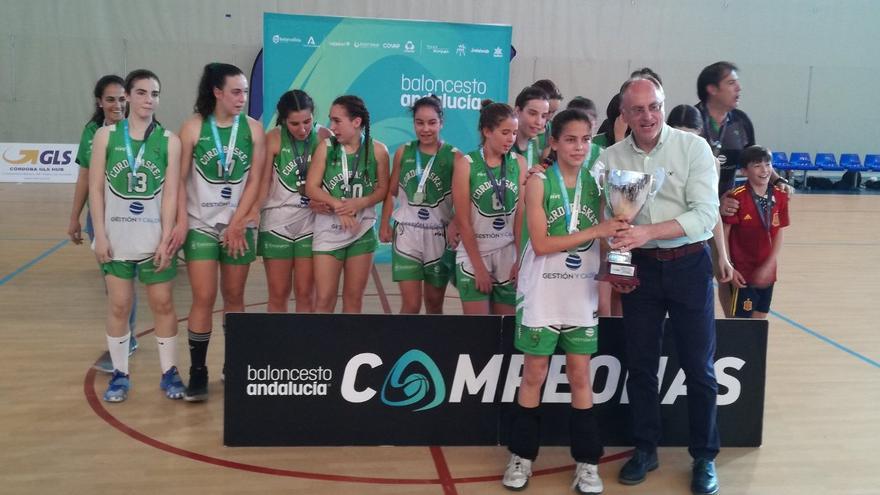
point(586, 479)
point(517, 474)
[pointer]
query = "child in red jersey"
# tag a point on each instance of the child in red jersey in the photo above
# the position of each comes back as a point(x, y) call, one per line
point(754, 235)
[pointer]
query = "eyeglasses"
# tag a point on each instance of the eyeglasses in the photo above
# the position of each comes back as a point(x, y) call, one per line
point(655, 107)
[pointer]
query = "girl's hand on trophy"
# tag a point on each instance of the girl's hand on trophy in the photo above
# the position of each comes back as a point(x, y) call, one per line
point(611, 227)
point(628, 239)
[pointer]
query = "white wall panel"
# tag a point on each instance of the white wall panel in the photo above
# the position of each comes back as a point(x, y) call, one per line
point(587, 46)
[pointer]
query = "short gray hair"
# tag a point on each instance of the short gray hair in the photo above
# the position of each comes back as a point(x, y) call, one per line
point(632, 80)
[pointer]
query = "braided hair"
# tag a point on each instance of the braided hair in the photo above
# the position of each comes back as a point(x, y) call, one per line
point(294, 100)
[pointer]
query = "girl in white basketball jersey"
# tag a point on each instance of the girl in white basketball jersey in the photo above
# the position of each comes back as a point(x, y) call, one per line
point(350, 173)
point(557, 299)
point(421, 180)
point(133, 180)
point(222, 159)
point(288, 215)
point(488, 205)
point(109, 96)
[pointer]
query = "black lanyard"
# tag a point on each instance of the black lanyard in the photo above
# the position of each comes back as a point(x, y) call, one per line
point(500, 188)
point(719, 143)
point(299, 159)
point(765, 206)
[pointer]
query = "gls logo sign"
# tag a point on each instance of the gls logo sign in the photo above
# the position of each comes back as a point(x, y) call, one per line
point(34, 156)
point(425, 384)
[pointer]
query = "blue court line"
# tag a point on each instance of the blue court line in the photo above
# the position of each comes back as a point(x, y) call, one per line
point(31, 239)
point(33, 262)
point(825, 339)
point(831, 243)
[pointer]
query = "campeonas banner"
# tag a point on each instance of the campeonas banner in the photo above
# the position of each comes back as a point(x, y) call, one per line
point(390, 64)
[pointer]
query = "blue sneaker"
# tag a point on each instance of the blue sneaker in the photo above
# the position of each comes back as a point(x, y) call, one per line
point(172, 384)
point(117, 390)
point(132, 344)
point(104, 364)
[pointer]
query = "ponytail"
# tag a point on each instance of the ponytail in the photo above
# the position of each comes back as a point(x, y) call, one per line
point(213, 76)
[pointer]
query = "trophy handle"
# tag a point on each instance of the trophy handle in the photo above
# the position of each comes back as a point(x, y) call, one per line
point(598, 173)
point(659, 176)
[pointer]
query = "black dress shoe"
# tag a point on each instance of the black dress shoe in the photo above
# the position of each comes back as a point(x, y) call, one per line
point(704, 481)
point(636, 468)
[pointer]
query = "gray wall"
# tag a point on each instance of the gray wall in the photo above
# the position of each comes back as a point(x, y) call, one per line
point(807, 67)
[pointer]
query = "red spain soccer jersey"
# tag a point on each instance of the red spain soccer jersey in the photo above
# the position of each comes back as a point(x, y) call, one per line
point(751, 241)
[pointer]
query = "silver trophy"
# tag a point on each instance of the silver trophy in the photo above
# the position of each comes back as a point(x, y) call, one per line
point(626, 192)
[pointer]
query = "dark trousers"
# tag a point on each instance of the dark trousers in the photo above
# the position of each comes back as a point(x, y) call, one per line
point(683, 289)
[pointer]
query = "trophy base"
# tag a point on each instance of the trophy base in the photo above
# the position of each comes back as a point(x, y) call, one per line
point(618, 273)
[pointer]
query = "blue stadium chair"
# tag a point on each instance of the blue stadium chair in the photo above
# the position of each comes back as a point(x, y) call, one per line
point(801, 161)
point(851, 161)
point(872, 163)
point(827, 162)
point(780, 161)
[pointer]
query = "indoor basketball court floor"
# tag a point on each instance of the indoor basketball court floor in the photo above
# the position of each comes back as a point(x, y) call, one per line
point(822, 407)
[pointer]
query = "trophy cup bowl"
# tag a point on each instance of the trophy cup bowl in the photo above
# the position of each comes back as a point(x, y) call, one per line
point(626, 192)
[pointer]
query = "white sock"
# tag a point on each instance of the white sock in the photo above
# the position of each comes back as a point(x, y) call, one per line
point(167, 352)
point(118, 347)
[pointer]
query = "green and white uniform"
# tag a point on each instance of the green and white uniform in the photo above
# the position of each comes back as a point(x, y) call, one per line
point(329, 235)
point(212, 198)
point(286, 221)
point(589, 161)
point(492, 221)
point(544, 138)
point(557, 296)
point(84, 151)
point(83, 158)
point(424, 211)
point(532, 153)
point(133, 204)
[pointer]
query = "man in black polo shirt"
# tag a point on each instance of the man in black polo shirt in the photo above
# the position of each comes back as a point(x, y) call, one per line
point(729, 131)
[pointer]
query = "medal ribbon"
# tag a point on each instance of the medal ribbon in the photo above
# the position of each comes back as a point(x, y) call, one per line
point(346, 187)
point(571, 220)
point(135, 162)
point(226, 161)
point(500, 189)
point(423, 176)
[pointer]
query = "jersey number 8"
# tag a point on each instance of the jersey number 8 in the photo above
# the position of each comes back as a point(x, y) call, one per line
point(496, 203)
